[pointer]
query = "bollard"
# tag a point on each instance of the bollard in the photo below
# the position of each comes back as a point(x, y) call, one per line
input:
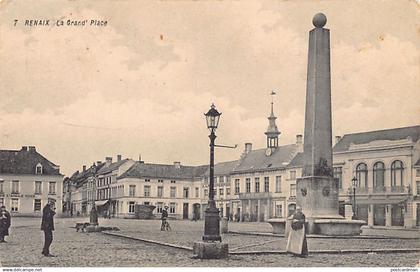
point(223, 225)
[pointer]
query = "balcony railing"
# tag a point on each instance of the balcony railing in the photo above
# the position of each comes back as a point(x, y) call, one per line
point(380, 190)
point(254, 195)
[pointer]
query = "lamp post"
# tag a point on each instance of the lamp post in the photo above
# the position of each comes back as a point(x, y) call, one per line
point(354, 182)
point(211, 214)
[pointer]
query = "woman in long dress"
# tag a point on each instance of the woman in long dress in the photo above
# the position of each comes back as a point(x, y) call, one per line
point(296, 244)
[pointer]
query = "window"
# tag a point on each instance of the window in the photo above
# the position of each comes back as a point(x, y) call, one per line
point(418, 172)
point(266, 184)
point(237, 189)
point(186, 192)
point(132, 190)
point(257, 185)
point(279, 210)
point(418, 187)
point(51, 189)
point(197, 192)
point(378, 175)
point(397, 173)
point(1, 186)
point(131, 206)
point(37, 205)
point(173, 181)
point(147, 180)
point(293, 174)
point(38, 169)
point(160, 180)
point(1, 202)
point(172, 207)
point(159, 207)
point(278, 184)
point(38, 187)
point(338, 174)
point(227, 191)
point(15, 205)
point(160, 191)
point(206, 192)
point(146, 190)
point(247, 185)
point(362, 175)
point(292, 189)
point(173, 192)
point(15, 187)
point(221, 192)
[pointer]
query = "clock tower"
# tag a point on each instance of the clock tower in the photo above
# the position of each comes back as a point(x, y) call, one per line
point(272, 132)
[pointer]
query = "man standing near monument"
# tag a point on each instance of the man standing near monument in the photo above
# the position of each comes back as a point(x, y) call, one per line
point(296, 244)
point(4, 223)
point(47, 225)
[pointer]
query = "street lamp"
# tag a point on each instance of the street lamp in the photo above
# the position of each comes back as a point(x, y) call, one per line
point(211, 214)
point(354, 182)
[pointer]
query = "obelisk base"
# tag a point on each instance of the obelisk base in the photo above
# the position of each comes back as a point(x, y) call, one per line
point(318, 197)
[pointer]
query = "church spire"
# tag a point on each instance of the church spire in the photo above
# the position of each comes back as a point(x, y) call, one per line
point(272, 130)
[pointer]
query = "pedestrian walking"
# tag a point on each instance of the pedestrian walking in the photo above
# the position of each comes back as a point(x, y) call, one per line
point(164, 217)
point(4, 223)
point(47, 225)
point(296, 244)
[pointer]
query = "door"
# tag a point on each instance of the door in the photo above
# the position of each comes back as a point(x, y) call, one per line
point(362, 212)
point(397, 215)
point(228, 213)
point(418, 215)
point(185, 211)
point(196, 211)
point(379, 215)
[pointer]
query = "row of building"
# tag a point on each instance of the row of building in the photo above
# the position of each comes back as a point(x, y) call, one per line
point(260, 185)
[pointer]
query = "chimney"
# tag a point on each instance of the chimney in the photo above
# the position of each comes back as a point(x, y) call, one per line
point(108, 159)
point(337, 139)
point(119, 157)
point(98, 162)
point(177, 164)
point(84, 168)
point(141, 162)
point(24, 148)
point(248, 147)
point(299, 139)
point(31, 148)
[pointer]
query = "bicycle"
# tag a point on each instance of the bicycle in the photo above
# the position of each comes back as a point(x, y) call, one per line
point(165, 225)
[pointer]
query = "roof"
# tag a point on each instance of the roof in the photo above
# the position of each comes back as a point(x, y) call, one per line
point(297, 160)
point(222, 168)
point(164, 171)
point(388, 134)
point(111, 167)
point(257, 160)
point(24, 161)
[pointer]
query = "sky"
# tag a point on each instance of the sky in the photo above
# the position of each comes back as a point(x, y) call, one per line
point(140, 85)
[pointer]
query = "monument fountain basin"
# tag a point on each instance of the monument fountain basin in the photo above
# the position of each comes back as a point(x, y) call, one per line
point(337, 226)
point(278, 224)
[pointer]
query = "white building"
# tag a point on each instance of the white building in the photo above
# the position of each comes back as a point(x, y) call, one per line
point(176, 186)
point(27, 181)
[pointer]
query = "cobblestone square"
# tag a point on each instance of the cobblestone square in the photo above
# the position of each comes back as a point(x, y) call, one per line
point(97, 249)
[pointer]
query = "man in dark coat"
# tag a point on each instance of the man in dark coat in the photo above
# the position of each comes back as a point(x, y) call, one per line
point(4, 223)
point(164, 217)
point(47, 225)
point(296, 243)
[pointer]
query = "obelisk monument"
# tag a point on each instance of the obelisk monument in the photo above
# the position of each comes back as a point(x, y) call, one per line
point(317, 191)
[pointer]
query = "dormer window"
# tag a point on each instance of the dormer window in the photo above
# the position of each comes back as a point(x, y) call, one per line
point(38, 169)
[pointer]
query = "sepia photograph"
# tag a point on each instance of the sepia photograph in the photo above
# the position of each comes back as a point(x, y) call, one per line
point(209, 135)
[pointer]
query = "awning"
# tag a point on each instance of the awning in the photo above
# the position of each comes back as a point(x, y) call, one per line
point(100, 202)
